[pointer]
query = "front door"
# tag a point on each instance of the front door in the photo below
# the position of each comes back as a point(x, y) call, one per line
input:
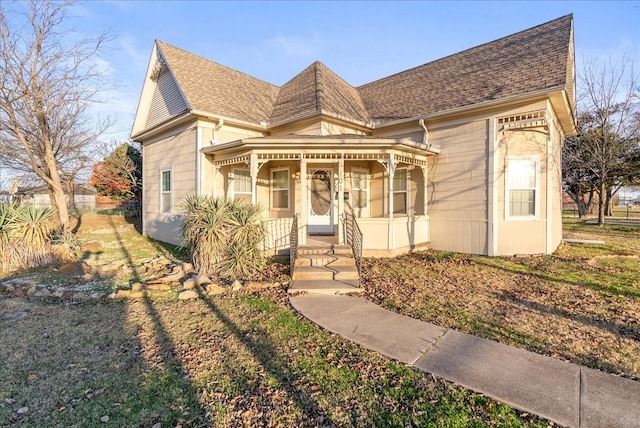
point(320, 219)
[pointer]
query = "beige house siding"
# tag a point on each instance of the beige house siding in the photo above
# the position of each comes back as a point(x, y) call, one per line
point(543, 233)
point(457, 191)
point(167, 100)
point(316, 126)
point(176, 153)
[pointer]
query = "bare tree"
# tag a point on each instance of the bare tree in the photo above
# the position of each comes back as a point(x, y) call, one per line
point(49, 77)
point(604, 155)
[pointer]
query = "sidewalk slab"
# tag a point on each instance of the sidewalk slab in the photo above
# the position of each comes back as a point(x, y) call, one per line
point(521, 379)
point(609, 401)
point(396, 336)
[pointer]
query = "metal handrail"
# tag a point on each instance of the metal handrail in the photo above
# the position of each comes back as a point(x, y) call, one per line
point(353, 238)
point(293, 244)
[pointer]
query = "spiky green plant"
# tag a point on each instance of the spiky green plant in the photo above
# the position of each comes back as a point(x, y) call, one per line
point(204, 229)
point(223, 236)
point(25, 236)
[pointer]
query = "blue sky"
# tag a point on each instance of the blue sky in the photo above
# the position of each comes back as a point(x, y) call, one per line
point(361, 41)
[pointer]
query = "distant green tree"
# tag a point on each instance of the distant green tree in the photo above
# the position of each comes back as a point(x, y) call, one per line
point(119, 176)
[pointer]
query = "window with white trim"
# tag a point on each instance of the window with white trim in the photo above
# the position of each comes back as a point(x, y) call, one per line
point(400, 191)
point(242, 184)
point(360, 188)
point(280, 189)
point(522, 179)
point(166, 197)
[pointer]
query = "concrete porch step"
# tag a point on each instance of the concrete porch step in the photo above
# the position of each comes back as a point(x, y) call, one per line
point(324, 260)
point(312, 272)
point(334, 249)
point(325, 287)
point(344, 273)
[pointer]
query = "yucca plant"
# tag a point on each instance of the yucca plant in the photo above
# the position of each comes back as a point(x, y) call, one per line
point(223, 236)
point(65, 246)
point(25, 236)
point(205, 230)
point(7, 224)
point(33, 227)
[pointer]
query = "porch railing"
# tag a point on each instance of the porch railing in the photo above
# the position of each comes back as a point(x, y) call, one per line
point(293, 248)
point(277, 233)
point(353, 238)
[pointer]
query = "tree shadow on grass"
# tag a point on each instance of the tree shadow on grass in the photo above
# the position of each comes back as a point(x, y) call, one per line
point(623, 330)
point(72, 364)
point(531, 272)
point(257, 342)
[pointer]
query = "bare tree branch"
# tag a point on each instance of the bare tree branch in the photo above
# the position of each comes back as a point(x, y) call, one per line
point(48, 81)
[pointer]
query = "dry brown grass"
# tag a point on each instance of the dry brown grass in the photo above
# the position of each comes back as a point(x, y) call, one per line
point(581, 304)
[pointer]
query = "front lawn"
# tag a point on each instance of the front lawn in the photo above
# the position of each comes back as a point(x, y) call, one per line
point(230, 360)
point(581, 304)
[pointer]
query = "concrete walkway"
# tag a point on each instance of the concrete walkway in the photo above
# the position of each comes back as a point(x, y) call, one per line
point(559, 391)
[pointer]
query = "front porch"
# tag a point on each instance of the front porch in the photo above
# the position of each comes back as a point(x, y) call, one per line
point(323, 180)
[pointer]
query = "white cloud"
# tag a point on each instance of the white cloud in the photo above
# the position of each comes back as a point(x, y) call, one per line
point(296, 46)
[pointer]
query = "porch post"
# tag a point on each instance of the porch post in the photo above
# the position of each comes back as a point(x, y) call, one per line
point(304, 200)
point(425, 189)
point(253, 172)
point(216, 169)
point(392, 171)
point(340, 199)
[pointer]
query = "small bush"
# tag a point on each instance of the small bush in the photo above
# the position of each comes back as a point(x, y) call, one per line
point(224, 236)
point(25, 236)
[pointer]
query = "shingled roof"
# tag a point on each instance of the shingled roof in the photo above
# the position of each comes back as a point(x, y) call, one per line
point(215, 88)
point(317, 90)
point(529, 61)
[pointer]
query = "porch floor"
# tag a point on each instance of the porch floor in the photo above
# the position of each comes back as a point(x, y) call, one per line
point(321, 240)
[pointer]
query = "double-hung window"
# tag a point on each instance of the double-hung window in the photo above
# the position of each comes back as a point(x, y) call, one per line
point(400, 191)
point(522, 178)
point(360, 188)
point(165, 191)
point(242, 185)
point(280, 189)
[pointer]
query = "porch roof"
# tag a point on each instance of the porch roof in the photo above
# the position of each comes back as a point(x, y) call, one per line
point(321, 143)
point(298, 147)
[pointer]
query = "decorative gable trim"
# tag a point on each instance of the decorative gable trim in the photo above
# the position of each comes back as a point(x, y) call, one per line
point(167, 100)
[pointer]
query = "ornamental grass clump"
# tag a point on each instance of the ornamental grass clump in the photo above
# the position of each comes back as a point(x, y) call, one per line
point(26, 238)
point(224, 236)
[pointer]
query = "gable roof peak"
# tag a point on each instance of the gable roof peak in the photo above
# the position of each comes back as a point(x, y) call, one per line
point(318, 90)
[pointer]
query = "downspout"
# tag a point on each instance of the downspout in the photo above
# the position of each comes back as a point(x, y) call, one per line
point(425, 136)
point(198, 159)
point(214, 140)
point(216, 128)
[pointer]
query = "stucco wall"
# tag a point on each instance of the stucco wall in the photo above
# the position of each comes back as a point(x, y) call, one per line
point(175, 152)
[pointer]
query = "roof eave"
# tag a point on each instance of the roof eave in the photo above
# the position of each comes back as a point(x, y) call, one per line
point(229, 120)
point(467, 109)
point(162, 126)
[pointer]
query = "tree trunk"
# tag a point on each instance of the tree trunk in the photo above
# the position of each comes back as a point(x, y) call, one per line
point(55, 186)
point(608, 211)
point(602, 192)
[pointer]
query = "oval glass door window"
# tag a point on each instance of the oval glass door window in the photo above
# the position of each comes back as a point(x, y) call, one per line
point(320, 193)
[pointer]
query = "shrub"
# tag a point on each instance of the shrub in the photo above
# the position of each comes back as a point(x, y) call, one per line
point(25, 236)
point(224, 236)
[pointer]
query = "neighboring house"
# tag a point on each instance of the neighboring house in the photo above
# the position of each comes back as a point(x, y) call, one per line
point(460, 154)
point(84, 197)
